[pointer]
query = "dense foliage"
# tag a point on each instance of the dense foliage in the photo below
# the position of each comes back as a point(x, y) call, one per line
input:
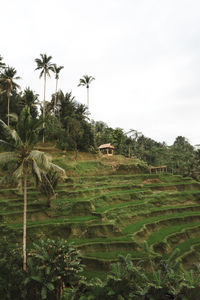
point(55, 272)
point(52, 265)
point(159, 279)
point(68, 126)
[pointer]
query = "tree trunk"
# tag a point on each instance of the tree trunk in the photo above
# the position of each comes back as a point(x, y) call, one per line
point(129, 151)
point(8, 107)
point(44, 104)
point(24, 229)
point(56, 96)
point(88, 98)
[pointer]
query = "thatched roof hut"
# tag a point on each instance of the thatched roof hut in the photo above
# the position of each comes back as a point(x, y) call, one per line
point(107, 149)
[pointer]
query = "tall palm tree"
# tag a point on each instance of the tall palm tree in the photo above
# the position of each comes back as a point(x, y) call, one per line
point(25, 160)
point(86, 81)
point(8, 84)
point(44, 64)
point(56, 71)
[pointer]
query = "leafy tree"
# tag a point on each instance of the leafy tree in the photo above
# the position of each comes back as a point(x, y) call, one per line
point(44, 64)
point(53, 130)
point(102, 133)
point(86, 81)
point(77, 134)
point(8, 84)
point(182, 156)
point(118, 138)
point(27, 161)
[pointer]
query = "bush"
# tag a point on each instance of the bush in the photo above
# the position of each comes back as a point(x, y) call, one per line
point(162, 279)
point(52, 265)
point(11, 275)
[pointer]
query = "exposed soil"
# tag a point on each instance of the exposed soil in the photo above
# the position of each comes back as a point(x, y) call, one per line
point(153, 180)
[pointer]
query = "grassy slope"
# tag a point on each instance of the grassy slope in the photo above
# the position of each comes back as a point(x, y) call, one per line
point(110, 206)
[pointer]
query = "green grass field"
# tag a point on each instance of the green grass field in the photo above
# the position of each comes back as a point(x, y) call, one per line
point(106, 213)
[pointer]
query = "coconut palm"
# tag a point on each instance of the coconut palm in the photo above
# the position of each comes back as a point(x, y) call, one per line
point(2, 65)
point(86, 81)
point(24, 159)
point(56, 71)
point(8, 84)
point(44, 64)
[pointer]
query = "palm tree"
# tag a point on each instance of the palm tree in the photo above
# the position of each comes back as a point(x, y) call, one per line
point(7, 80)
point(25, 160)
point(85, 81)
point(44, 64)
point(2, 65)
point(30, 98)
point(56, 71)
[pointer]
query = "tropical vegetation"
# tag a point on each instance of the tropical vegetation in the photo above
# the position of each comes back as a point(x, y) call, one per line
point(102, 213)
point(22, 159)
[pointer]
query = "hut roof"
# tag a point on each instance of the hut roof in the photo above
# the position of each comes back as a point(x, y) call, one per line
point(106, 146)
point(159, 167)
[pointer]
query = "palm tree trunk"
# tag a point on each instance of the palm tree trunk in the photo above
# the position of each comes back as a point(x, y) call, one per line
point(24, 229)
point(8, 107)
point(88, 98)
point(56, 95)
point(129, 151)
point(44, 105)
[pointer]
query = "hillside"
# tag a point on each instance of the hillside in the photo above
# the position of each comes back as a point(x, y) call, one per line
point(110, 206)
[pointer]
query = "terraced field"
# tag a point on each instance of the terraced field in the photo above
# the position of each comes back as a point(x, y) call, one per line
point(110, 215)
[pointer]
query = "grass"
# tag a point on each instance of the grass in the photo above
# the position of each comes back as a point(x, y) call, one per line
point(114, 254)
point(81, 241)
point(120, 205)
point(7, 213)
point(186, 246)
point(163, 233)
point(57, 221)
point(133, 228)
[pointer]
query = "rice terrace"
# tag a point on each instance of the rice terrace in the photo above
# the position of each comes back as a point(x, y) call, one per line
point(109, 206)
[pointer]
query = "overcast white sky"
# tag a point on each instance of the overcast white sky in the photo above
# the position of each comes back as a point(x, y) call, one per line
point(144, 55)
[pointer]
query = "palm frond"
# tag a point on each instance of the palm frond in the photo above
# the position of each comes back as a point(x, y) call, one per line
point(19, 172)
point(86, 80)
point(14, 117)
point(3, 125)
point(36, 170)
point(41, 73)
point(10, 136)
point(42, 159)
point(15, 137)
point(58, 170)
point(6, 144)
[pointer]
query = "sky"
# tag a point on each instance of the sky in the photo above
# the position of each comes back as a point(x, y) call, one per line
point(144, 55)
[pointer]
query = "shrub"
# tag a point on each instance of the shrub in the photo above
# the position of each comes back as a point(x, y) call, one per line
point(52, 265)
point(11, 274)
